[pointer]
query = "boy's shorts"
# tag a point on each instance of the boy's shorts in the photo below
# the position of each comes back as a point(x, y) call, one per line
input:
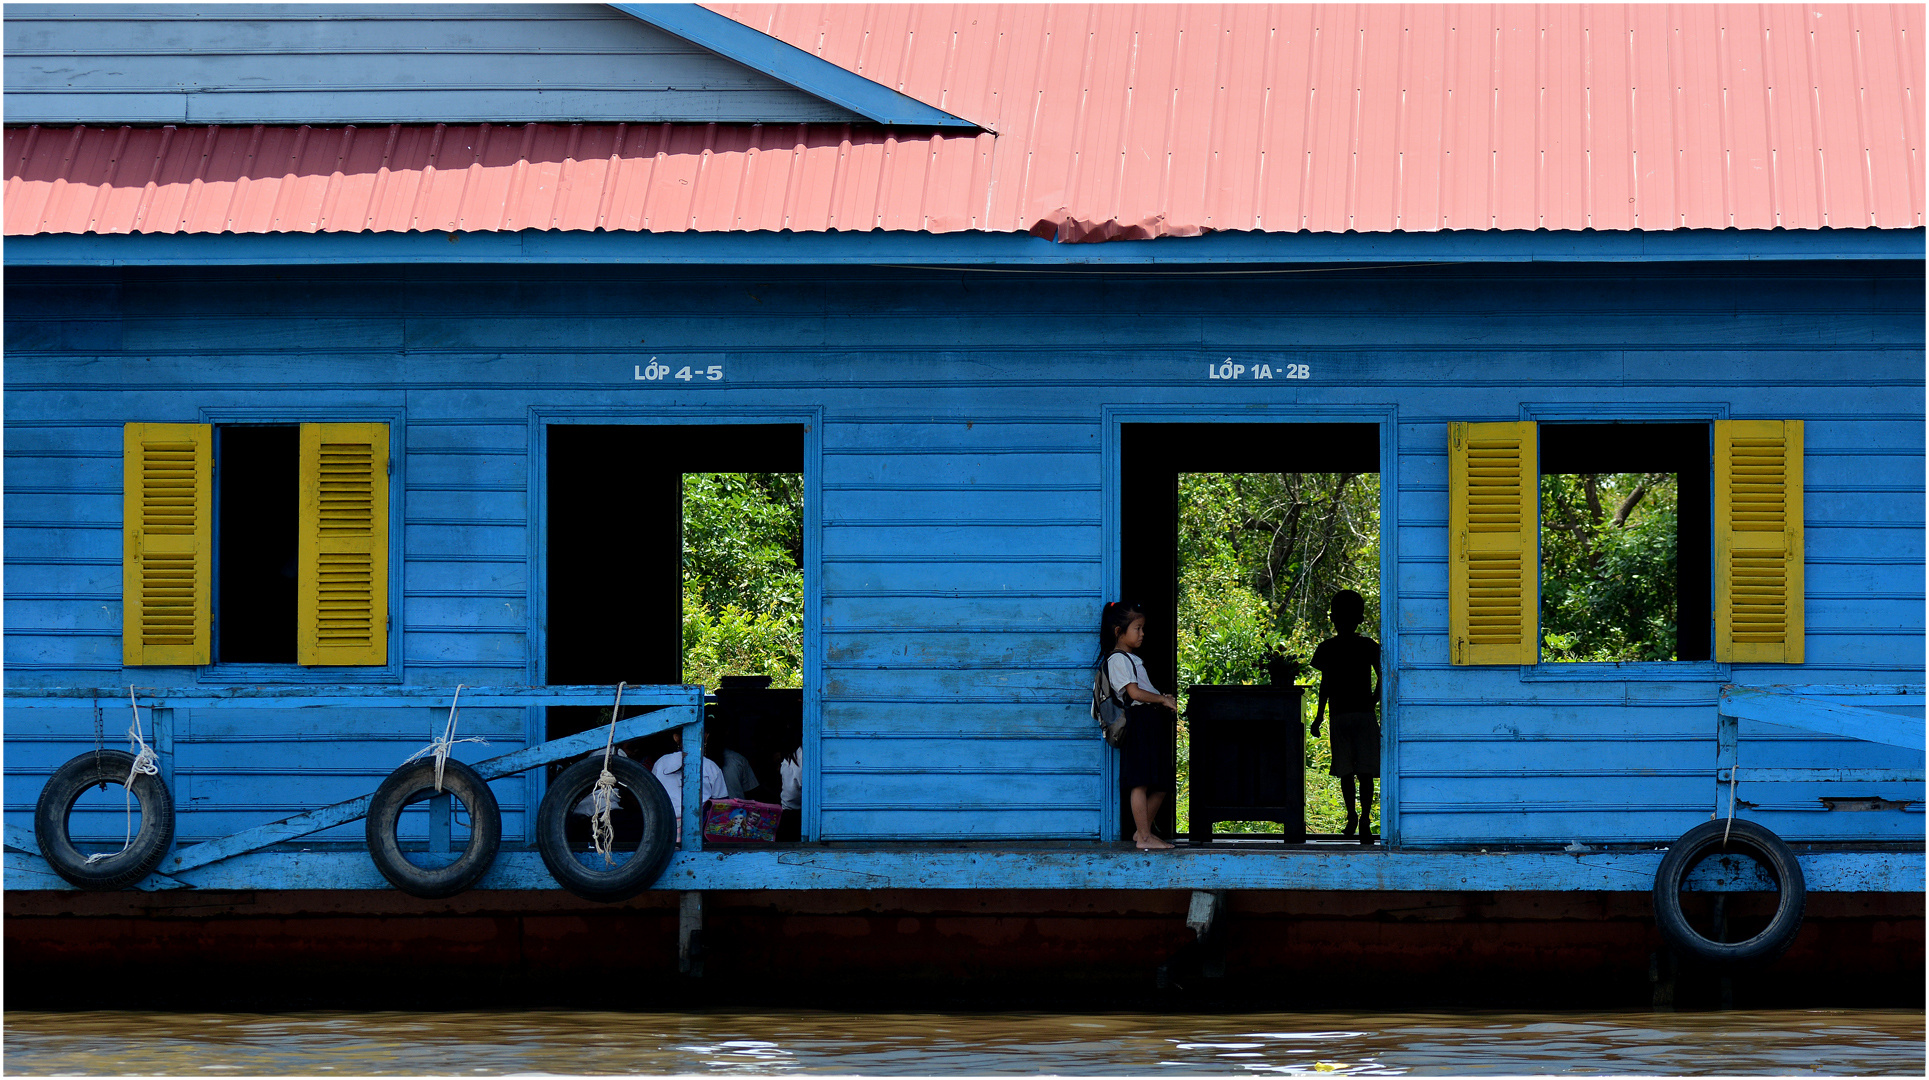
point(1356, 745)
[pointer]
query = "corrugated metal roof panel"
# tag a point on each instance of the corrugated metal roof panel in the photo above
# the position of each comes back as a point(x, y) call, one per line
point(1116, 121)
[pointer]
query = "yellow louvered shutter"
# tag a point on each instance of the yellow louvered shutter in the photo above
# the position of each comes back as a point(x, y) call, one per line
point(343, 577)
point(167, 531)
point(1493, 590)
point(1758, 541)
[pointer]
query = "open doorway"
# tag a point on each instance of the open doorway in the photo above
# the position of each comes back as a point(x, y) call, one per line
point(1235, 537)
point(675, 556)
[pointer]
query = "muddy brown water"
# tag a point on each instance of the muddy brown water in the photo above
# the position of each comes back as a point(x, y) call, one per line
point(1777, 1043)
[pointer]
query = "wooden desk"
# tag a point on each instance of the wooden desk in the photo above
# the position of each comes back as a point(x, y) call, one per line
point(1248, 759)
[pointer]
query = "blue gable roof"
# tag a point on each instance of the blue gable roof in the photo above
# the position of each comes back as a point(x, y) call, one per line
point(421, 63)
point(784, 61)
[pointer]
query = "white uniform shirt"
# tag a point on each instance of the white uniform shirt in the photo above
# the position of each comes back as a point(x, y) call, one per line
point(791, 791)
point(1122, 668)
point(669, 770)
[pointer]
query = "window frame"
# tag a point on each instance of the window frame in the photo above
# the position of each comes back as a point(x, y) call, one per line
point(218, 673)
point(1542, 670)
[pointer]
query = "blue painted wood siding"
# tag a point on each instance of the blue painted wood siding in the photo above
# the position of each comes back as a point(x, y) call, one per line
point(374, 63)
point(963, 487)
point(233, 769)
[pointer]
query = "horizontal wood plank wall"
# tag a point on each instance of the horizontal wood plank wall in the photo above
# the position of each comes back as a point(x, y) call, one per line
point(231, 769)
point(387, 63)
point(962, 492)
point(961, 585)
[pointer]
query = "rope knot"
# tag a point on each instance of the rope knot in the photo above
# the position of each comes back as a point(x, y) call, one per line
point(146, 763)
point(604, 799)
point(440, 747)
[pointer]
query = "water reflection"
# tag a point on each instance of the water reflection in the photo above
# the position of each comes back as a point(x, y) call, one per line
point(1824, 1042)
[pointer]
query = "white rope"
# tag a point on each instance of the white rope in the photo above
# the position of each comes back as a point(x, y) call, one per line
point(604, 799)
point(1733, 772)
point(145, 764)
point(440, 747)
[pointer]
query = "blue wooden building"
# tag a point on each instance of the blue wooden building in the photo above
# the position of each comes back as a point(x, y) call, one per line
point(452, 295)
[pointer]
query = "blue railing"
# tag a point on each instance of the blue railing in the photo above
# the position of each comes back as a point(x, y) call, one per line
point(671, 707)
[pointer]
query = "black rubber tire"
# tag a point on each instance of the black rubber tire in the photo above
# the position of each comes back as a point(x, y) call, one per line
point(656, 840)
point(1746, 838)
point(413, 783)
point(57, 799)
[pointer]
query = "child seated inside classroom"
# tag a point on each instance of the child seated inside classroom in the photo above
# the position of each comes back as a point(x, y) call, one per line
point(669, 771)
point(1349, 667)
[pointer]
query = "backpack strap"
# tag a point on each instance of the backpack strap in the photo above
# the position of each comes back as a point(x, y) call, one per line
point(1112, 692)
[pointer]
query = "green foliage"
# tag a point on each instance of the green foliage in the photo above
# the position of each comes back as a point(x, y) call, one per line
point(1608, 551)
point(743, 586)
point(1260, 557)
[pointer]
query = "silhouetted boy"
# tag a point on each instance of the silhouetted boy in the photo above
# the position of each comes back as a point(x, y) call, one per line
point(1349, 667)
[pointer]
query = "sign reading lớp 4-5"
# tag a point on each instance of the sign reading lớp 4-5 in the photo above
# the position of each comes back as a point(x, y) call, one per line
point(657, 371)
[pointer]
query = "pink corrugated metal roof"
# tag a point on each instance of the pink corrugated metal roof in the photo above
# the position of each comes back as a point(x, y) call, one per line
point(1116, 121)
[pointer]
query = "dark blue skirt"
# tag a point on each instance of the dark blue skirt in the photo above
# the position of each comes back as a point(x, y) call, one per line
point(1146, 757)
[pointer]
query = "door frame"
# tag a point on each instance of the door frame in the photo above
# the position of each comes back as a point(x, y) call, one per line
point(811, 419)
point(1386, 417)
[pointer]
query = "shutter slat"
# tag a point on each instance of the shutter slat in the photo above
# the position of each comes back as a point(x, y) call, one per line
point(343, 604)
point(1758, 541)
point(1494, 591)
point(167, 534)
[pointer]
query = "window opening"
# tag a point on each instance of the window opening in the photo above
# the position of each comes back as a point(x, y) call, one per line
point(1608, 566)
point(256, 542)
point(1235, 559)
point(1624, 543)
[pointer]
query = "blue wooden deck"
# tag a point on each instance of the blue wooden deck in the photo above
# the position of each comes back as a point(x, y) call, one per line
point(297, 852)
point(1067, 866)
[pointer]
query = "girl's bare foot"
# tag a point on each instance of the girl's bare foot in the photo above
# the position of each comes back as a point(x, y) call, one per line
point(1150, 842)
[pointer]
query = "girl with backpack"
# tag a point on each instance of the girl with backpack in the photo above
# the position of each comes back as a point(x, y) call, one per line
point(1147, 767)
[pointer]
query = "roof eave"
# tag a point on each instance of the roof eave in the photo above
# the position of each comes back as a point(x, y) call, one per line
point(962, 249)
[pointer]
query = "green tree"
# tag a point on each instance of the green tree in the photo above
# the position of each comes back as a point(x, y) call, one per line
point(1608, 552)
point(743, 583)
point(1260, 556)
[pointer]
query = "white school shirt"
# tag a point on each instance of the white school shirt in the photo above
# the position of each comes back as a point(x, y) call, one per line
point(791, 791)
point(1125, 667)
point(669, 770)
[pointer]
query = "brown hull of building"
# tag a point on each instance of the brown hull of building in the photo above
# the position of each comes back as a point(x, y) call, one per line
point(1010, 948)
